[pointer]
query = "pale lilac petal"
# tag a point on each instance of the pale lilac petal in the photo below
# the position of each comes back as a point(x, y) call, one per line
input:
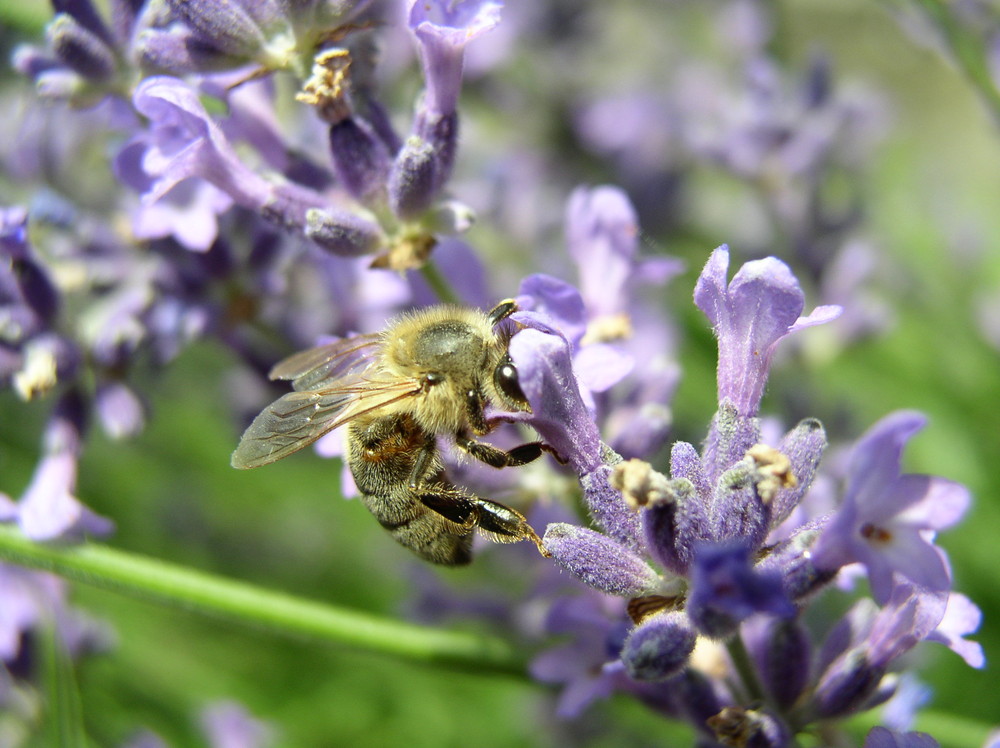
point(600, 366)
point(961, 617)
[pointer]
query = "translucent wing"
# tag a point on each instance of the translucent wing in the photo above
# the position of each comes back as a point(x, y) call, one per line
point(297, 419)
point(323, 365)
point(334, 384)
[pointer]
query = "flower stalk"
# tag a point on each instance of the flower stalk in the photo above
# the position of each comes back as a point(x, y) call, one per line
point(209, 595)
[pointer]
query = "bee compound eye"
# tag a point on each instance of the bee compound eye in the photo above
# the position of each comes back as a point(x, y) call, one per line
point(506, 380)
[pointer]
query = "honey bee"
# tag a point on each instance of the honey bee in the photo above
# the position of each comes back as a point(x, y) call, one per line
point(431, 373)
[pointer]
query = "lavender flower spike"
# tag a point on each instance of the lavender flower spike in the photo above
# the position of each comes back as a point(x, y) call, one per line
point(443, 28)
point(751, 314)
point(885, 516)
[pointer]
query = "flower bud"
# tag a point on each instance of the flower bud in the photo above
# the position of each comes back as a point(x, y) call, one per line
point(599, 561)
point(81, 50)
point(342, 233)
point(659, 647)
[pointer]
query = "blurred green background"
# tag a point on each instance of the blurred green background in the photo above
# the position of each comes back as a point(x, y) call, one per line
point(932, 206)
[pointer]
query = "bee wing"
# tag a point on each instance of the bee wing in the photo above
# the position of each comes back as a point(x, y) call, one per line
point(297, 419)
point(319, 367)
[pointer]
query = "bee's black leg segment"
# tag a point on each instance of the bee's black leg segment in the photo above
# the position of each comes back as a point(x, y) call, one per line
point(503, 524)
point(453, 505)
point(502, 311)
point(499, 458)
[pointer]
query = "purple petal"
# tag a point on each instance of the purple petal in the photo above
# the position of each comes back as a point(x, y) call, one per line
point(443, 28)
point(48, 510)
point(558, 301)
point(759, 307)
point(600, 366)
point(961, 617)
point(228, 725)
point(875, 459)
point(602, 234)
point(545, 370)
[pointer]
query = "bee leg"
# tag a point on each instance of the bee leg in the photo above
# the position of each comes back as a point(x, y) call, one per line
point(454, 505)
point(504, 525)
point(499, 458)
point(502, 311)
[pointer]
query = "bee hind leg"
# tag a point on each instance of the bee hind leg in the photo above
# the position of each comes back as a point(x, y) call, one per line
point(504, 525)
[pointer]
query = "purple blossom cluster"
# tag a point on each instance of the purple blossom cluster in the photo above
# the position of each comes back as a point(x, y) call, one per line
point(718, 561)
point(224, 221)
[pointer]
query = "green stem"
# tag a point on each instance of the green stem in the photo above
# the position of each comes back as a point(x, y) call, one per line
point(745, 669)
point(205, 594)
point(439, 284)
point(968, 51)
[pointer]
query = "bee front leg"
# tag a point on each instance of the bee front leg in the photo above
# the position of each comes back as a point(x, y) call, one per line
point(499, 458)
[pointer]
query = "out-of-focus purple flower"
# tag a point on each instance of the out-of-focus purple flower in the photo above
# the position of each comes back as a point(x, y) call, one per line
point(910, 696)
point(443, 28)
point(961, 617)
point(861, 647)
point(227, 724)
point(119, 409)
point(602, 237)
point(751, 314)
point(589, 666)
point(886, 518)
point(558, 305)
point(48, 510)
point(881, 737)
point(184, 142)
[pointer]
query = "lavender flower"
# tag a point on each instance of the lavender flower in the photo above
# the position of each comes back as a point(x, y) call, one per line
point(885, 516)
point(751, 315)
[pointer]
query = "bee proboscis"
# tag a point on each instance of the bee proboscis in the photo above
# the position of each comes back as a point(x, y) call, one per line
point(430, 373)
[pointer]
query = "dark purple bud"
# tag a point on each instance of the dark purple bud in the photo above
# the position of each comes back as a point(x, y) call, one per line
point(846, 685)
point(609, 509)
point(440, 131)
point(695, 696)
point(749, 728)
point(737, 510)
point(726, 589)
point(600, 561)
point(882, 737)
point(85, 15)
point(729, 438)
point(80, 50)
point(803, 446)
point(226, 24)
point(424, 164)
point(672, 528)
point(177, 50)
point(659, 647)
point(792, 559)
point(360, 159)
point(412, 179)
point(783, 656)
point(342, 233)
